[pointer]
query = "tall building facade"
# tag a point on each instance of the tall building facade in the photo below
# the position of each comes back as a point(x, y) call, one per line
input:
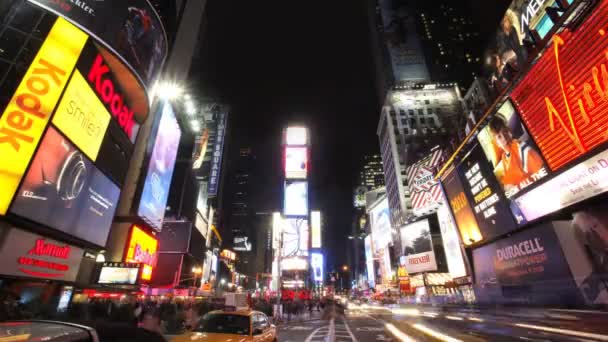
point(414, 120)
point(371, 176)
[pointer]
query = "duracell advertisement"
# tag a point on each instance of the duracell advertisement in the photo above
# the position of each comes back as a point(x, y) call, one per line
point(65, 191)
point(487, 200)
point(131, 28)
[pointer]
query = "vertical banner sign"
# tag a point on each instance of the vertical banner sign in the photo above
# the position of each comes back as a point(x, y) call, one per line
point(425, 190)
point(30, 108)
point(216, 162)
point(461, 208)
point(490, 208)
point(563, 99)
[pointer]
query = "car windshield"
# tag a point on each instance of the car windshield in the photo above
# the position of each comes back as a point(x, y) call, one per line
point(224, 324)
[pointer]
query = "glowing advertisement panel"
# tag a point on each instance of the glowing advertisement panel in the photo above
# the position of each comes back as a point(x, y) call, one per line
point(295, 237)
point(119, 273)
point(461, 208)
point(294, 264)
point(562, 98)
point(30, 255)
point(296, 162)
point(160, 170)
point(296, 136)
point(131, 28)
point(381, 225)
point(315, 220)
point(316, 263)
point(587, 179)
point(296, 198)
point(514, 157)
point(65, 191)
point(417, 247)
point(425, 192)
point(23, 121)
point(82, 117)
point(369, 261)
point(451, 242)
point(142, 248)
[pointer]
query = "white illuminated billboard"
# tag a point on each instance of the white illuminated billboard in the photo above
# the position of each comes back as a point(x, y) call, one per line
point(451, 242)
point(315, 221)
point(277, 222)
point(316, 263)
point(296, 198)
point(296, 162)
point(369, 262)
point(296, 136)
point(381, 225)
point(295, 237)
point(294, 264)
point(417, 247)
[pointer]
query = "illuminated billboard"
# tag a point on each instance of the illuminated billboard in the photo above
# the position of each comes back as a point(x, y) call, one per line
point(490, 207)
point(160, 169)
point(295, 198)
point(295, 237)
point(381, 225)
point(296, 162)
point(294, 264)
point(218, 149)
point(277, 229)
point(417, 247)
point(26, 116)
point(516, 160)
point(461, 207)
point(131, 29)
point(82, 117)
point(119, 273)
point(451, 242)
point(315, 222)
point(425, 192)
point(296, 136)
point(562, 98)
point(316, 263)
point(369, 261)
point(142, 248)
point(65, 191)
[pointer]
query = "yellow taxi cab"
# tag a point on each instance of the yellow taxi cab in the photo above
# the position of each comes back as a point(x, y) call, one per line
point(234, 326)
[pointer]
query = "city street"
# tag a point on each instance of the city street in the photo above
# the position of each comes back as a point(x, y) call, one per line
point(429, 324)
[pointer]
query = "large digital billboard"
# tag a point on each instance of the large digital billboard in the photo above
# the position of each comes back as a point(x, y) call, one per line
point(315, 223)
point(451, 243)
point(488, 202)
point(119, 273)
point(316, 263)
point(295, 237)
point(296, 162)
point(369, 261)
point(461, 207)
point(160, 169)
point(26, 254)
point(402, 41)
point(417, 247)
point(562, 98)
point(516, 160)
point(132, 29)
point(425, 192)
point(531, 259)
point(142, 248)
point(381, 225)
point(64, 190)
point(296, 198)
point(26, 116)
point(82, 117)
point(296, 136)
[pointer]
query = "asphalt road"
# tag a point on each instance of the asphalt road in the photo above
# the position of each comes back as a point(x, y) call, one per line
point(362, 324)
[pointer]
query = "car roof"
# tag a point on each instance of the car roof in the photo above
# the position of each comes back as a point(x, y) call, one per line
point(241, 312)
point(48, 330)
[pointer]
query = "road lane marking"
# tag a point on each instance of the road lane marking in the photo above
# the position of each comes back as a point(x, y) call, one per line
point(370, 329)
point(400, 335)
point(423, 328)
point(562, 331)
point(475, 319)
point(349, 332)
point(454, 318)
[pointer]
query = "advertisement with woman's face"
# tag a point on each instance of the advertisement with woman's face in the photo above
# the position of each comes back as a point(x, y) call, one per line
point(515, 158)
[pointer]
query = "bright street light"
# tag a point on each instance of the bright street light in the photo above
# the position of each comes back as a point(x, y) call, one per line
point(168, 90)
point(223, 281)
point(344, 268)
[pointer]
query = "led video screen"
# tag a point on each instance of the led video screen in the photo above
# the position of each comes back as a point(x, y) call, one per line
point(65, 191)
point(296, 162)
point(296, 198)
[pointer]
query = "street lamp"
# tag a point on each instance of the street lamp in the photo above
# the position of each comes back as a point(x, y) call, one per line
point(345, 268)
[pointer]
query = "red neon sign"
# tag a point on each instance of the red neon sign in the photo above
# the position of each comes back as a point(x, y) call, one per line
point(43, 248)
point(564, 98)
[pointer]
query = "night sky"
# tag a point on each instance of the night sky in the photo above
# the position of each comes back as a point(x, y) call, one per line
point(280, 62)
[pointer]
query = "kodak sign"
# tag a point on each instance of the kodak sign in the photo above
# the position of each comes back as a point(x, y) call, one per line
point(26, 116)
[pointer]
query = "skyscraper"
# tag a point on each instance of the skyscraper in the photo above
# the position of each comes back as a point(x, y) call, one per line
point(371, 176)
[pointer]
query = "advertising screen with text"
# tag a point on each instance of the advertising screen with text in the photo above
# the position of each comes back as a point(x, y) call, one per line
point(563, 97)
point(23, 121)
point(142, 248)
point(461, 208)
point(65, 191)
point(417, 247)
